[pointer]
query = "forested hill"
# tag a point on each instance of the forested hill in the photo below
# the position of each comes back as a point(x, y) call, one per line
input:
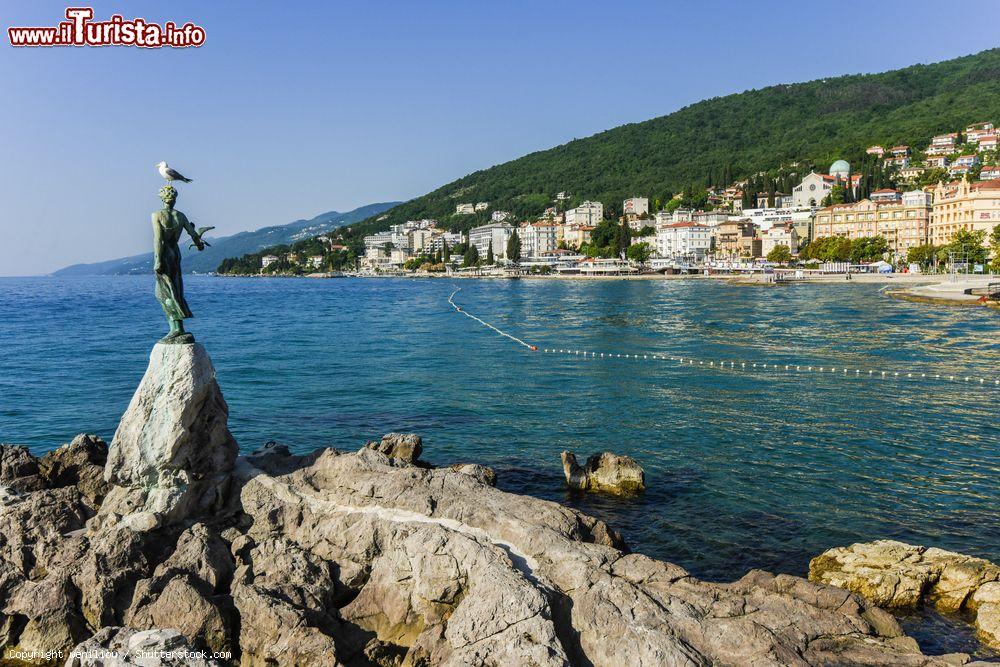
point(737, 135)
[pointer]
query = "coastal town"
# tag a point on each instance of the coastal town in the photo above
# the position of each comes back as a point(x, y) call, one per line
point(929, 209)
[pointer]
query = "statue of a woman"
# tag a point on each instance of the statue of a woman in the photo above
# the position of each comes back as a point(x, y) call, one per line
point(167, 227)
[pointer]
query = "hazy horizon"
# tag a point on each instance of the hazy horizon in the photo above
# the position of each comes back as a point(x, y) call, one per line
point(287, 112)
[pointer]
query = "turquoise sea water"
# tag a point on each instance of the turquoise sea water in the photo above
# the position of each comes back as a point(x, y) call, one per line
point(746, 469)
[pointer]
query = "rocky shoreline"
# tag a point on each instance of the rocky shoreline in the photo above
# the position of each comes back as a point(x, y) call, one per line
point(167, 541)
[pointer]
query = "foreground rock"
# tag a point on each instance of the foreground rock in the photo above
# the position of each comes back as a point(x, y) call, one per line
point(897, 575)
point(338, 558)
point(619, 475)
point(172, 451)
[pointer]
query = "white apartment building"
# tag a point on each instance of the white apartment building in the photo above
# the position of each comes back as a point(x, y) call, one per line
point(452, 239)
point(683, 239)
point(537, 238)
point(801, 217)
point(943, 144)
point(635, 206)
point(268, 260)
point(465, 209)
point(419, 240)
point(588, 213)
point(678, 215)
point(495, 233)
point(481, 206)
point(977, 131)
point(499, 216)
point(710, 218)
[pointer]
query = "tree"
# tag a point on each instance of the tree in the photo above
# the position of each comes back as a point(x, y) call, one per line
point(445, 253)
point(828, 249)
point(388, 247)
point(471, 257)
point(514, 247)
point(924, 255)
point(838, 195)
point(640, 253)
point(605, 237)
point(995, 248)
point(780, 254)
point(624, 239)
point(868, 249)
point(489, 254)
point(965, 246)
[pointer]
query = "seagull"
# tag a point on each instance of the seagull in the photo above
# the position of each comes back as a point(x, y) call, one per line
point(170, 174)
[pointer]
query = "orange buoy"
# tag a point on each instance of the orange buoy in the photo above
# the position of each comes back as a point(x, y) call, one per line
point(534, 348)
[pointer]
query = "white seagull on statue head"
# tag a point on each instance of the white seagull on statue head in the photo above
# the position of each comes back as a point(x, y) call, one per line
point(170, 174)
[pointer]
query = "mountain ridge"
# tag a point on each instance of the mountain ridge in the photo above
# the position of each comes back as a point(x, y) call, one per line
point(235, 244)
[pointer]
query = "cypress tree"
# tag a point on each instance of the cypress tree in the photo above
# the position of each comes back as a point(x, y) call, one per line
point(514, 248)
point(489, 254)
point(445, 253)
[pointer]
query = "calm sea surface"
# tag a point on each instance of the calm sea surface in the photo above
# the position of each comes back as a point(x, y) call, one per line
point(745, 469)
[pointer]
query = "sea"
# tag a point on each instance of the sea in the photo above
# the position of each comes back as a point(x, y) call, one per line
point(746, 467)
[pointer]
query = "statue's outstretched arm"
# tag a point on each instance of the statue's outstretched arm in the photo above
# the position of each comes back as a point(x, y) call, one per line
point(192, 232)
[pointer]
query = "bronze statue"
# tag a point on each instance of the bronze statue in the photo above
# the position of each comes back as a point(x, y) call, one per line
point(167, 227)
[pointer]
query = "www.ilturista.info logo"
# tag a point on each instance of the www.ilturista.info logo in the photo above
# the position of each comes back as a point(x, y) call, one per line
point(80, 30)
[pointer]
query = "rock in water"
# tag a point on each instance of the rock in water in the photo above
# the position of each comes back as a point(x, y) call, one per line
point(898, 575)
point(405, 447)
point(172, 451)
point(605, 471)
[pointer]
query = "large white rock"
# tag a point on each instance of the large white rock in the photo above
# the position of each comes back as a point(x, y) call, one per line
point(172, 451)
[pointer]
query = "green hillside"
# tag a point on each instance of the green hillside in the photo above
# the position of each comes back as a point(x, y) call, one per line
point(736, 136)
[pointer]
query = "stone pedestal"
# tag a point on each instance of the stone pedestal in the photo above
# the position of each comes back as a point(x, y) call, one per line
point(172, 452)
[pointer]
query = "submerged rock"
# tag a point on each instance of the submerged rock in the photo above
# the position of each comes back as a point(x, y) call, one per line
point(605, 471)
point(897, 575)
point(172, 450)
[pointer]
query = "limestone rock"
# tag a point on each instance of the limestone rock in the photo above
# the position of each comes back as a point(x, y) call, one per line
point(332, 558)
point(181, 603)
point(482, 473)
point(619, 475)
point(897, 575)
point(119, 647)
point(107, 571)
point(987, 604)
point(172, 449)
point(402, 446)
point(81, 464)
point(446, 570)
point(19, 470)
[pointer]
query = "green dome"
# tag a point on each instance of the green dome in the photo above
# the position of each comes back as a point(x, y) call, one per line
point(840, 168)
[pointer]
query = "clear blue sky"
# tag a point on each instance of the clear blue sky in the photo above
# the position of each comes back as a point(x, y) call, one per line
point(295, 108)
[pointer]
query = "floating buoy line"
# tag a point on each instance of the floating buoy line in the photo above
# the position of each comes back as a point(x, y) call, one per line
point(843, 371)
